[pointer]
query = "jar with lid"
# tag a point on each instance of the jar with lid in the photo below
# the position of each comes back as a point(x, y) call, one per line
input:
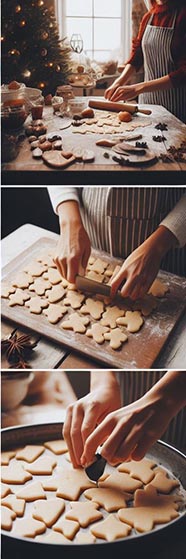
point(67, 93)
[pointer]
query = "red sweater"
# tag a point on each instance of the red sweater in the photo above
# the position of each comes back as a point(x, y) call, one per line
point(163, 16)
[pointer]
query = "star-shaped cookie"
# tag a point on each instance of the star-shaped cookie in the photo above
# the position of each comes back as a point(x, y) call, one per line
point(139, 470)
point(84, 513)
point(109, 499)
point(72, 483)
point(110, 529)
point(120, 481)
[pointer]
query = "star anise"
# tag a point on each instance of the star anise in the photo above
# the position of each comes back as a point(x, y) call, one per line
point(161, 126)
point(21, 364)
point(159, 138)
point(16, 346)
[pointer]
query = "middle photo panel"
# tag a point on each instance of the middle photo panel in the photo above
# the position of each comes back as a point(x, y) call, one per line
point(96, 274)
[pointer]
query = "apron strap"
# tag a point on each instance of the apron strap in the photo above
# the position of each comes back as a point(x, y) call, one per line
point(174, 20)
point(173, 23)
point(150, 19)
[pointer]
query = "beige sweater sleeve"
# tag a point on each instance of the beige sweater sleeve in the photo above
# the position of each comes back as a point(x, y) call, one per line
point(63, 194)
point(175, 221)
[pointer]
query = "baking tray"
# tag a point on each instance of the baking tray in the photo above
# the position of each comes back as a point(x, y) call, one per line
point(142, 348)
point(170, 458)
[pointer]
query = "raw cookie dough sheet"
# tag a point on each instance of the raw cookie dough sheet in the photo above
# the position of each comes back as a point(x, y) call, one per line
point(17, 438)
point(139, 351)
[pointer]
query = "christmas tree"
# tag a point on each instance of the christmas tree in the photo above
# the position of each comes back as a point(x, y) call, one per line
point(31, 50)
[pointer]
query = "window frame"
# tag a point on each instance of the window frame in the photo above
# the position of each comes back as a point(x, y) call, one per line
point(126, 26)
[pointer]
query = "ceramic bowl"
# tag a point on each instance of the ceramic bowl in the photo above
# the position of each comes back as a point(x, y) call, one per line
point(14, 388)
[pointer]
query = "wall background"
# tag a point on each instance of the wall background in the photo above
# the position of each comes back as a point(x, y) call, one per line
point(26, 205)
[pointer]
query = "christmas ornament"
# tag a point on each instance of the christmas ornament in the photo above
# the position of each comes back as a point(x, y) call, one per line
point(28, 28)
point(41, 85)
point(44, 35)
point(14, 52)
point(22, 23)
point(18, 9)
point(43, 52)
point(26, 74)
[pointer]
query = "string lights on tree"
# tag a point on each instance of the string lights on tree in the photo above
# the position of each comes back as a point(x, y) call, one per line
point(31, 49)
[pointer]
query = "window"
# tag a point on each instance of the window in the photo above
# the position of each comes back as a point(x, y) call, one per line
point(105, 26)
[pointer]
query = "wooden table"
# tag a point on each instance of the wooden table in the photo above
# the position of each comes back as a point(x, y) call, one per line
point(50, 355)
point(26, 170)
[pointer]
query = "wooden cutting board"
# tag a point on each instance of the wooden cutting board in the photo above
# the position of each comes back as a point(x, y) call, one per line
point(142, 348)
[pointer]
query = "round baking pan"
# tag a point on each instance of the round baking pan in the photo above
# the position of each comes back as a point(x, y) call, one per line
point(158, 543)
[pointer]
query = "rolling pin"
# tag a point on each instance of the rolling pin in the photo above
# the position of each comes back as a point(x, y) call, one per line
point(117, 107)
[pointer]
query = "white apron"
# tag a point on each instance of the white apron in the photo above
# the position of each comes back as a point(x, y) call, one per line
point(119, 219)
point(158, 62)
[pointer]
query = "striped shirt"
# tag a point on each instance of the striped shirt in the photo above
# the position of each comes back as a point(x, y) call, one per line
point(119, 219)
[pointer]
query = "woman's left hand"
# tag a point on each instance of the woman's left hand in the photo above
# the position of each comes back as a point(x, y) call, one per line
point(140, 269)
point(125, 93)
point(128, 433)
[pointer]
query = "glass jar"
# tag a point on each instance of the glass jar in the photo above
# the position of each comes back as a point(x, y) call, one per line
point(37, 108)
point(9, 147)
point(67, 93)
point(57, 103)
point(13, 115)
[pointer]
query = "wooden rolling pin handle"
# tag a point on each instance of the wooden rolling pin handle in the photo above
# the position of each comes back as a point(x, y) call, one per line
point(145, 111)
point(111, 106)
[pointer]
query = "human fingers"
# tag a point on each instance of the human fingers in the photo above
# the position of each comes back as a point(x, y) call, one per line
point(61, 264)
point(152, 433)
point(109, 92)
point(118, 94)
point(96, 439)
point(89, 421)
point(129, 286)
point(126, 447)
point(117, 280)
point(140, 290)
point(121, 443)
point(73, 267)
point(75, 431)
point(114, 440)
point(86, 255)
point(67, 434)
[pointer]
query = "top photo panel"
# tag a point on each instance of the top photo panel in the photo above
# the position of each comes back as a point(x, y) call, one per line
point(93, 91)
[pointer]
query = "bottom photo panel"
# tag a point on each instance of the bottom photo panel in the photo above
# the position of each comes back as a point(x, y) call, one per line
point(93, 462)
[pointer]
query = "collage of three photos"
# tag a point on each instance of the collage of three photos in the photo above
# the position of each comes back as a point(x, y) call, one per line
point(93, 278)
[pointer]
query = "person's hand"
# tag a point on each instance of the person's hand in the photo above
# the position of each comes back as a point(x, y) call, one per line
point(83, 416)
point(73, 249)
point(141, 267)
point(125, 92)
point(128, 433)
point(109, 92)
point(120, 82)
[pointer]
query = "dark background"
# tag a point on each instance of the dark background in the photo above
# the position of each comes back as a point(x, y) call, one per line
point(26, 205)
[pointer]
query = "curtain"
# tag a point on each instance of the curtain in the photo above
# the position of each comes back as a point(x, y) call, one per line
point(139, 8)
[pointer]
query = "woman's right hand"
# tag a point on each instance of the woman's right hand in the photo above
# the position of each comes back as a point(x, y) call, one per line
point(73, 248)
point(83, 416)
point(109, 92)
